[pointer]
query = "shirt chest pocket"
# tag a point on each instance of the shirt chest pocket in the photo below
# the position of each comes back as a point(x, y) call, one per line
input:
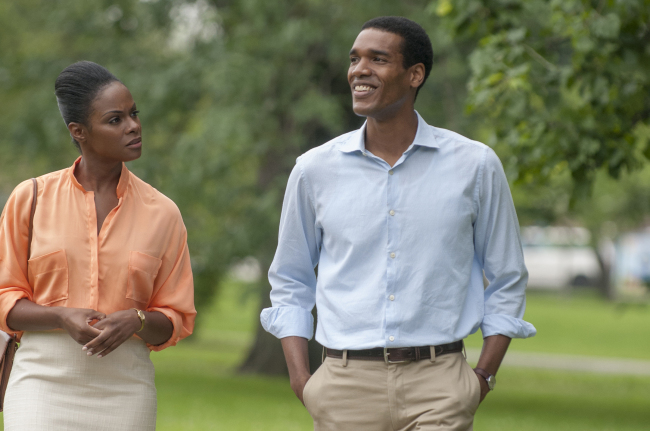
point(143, 270)
point(48, 275)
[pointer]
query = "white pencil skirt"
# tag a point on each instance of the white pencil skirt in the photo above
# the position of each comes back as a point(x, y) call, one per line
point(55, 386)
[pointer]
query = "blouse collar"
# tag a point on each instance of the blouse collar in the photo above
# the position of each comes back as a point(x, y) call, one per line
point(121, 185)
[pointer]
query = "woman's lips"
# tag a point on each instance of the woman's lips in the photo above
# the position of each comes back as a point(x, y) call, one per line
point(136, 143)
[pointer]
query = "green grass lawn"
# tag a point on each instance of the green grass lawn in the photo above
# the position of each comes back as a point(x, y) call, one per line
point(583, 324)
point(198, 388)
point(198, 391)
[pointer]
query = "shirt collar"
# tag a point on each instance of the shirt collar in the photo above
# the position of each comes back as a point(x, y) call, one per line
point(121, 185)
point(356, 140)
point(424, 137)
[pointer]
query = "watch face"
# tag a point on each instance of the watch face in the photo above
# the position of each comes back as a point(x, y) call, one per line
point(491, 381)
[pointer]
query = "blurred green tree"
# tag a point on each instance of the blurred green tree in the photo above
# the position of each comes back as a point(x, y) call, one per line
point(277, 89)
point(135, 40)
point(564, 84)
point(563, 88)
point(231, 92)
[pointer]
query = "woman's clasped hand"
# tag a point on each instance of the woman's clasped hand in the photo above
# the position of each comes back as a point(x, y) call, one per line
point(114, 329)
point(97, 332)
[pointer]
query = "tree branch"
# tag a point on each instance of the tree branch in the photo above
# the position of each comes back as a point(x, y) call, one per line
point(541, 60)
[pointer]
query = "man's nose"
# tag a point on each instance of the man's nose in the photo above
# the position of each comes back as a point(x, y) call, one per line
point(360, 69)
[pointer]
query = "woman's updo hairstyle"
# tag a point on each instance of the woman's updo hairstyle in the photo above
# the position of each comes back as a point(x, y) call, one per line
point(77, 87)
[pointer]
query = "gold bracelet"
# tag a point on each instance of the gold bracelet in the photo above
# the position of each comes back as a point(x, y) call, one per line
point(141, 317)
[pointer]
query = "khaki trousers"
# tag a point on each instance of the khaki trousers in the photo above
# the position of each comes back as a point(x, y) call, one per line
point(357, 395)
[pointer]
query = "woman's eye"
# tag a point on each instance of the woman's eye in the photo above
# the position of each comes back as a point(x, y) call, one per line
point(114, 120)
point(353, 60)
point(135, 113)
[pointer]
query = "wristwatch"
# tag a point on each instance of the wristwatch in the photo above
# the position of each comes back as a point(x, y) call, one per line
point(141, 317)
point(489, 378)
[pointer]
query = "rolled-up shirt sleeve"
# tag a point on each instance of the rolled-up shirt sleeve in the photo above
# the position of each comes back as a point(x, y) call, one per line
point(174, 290)
point(292, 275)
point(498, 249)
point(14, 232)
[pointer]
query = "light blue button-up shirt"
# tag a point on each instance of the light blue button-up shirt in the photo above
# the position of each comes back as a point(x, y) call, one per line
point(401, 250)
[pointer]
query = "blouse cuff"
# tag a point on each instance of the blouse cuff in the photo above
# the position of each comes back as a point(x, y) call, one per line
point(288, 322)
point(7, 303)
point(502, 324)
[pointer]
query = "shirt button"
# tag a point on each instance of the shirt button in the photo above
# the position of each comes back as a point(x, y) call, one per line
point(392, 297)
point(392, 212)
point(392, 255)
point(364, 154)
point(390, 172)
point(391, 338)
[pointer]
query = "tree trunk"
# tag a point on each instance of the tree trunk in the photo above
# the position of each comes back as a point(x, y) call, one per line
point(605, 283)
point(266, 355)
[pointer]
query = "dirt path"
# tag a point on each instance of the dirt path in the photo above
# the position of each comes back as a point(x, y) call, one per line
point(587, 364)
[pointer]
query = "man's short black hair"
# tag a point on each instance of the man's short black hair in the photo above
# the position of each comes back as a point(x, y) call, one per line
point(416, 45)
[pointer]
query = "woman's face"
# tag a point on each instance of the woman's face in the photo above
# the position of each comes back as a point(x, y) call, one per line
point(113, 132)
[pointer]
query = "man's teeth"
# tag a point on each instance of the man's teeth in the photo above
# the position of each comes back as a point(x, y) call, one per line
point(362, 88)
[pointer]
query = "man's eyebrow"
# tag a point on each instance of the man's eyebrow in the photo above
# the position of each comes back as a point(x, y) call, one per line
point(372, 51)
point(117, 111)
point(377, 52)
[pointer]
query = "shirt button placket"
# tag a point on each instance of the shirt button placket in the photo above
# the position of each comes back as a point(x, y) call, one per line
point(392, 254)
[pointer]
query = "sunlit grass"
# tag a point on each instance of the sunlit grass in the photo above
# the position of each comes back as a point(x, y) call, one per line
point(581, 323)
point(552, 401)
point(214, 398)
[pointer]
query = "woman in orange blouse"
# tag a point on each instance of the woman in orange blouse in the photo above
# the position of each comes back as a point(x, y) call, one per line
point(109, 271)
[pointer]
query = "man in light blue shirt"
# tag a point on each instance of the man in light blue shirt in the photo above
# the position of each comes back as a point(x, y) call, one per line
point(403, 219)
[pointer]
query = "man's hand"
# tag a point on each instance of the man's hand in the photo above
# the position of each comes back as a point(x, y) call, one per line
point(76, 322)
point(494, 349)
point(114, 330)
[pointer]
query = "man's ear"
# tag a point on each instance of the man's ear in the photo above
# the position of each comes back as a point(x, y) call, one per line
point(77, 132)
point(417, 75)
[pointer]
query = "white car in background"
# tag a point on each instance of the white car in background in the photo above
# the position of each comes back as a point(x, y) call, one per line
point(559, 257)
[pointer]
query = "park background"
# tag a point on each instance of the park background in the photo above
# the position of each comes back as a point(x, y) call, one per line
point(232, 91)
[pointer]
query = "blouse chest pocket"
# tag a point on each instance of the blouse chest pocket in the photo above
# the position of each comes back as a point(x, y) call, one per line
point(143, 270)
point(48, 275)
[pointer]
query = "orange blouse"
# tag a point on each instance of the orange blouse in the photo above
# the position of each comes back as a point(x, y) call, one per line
point(139, 259)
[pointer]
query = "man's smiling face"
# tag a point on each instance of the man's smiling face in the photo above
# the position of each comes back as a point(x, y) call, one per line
point(379, 82)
